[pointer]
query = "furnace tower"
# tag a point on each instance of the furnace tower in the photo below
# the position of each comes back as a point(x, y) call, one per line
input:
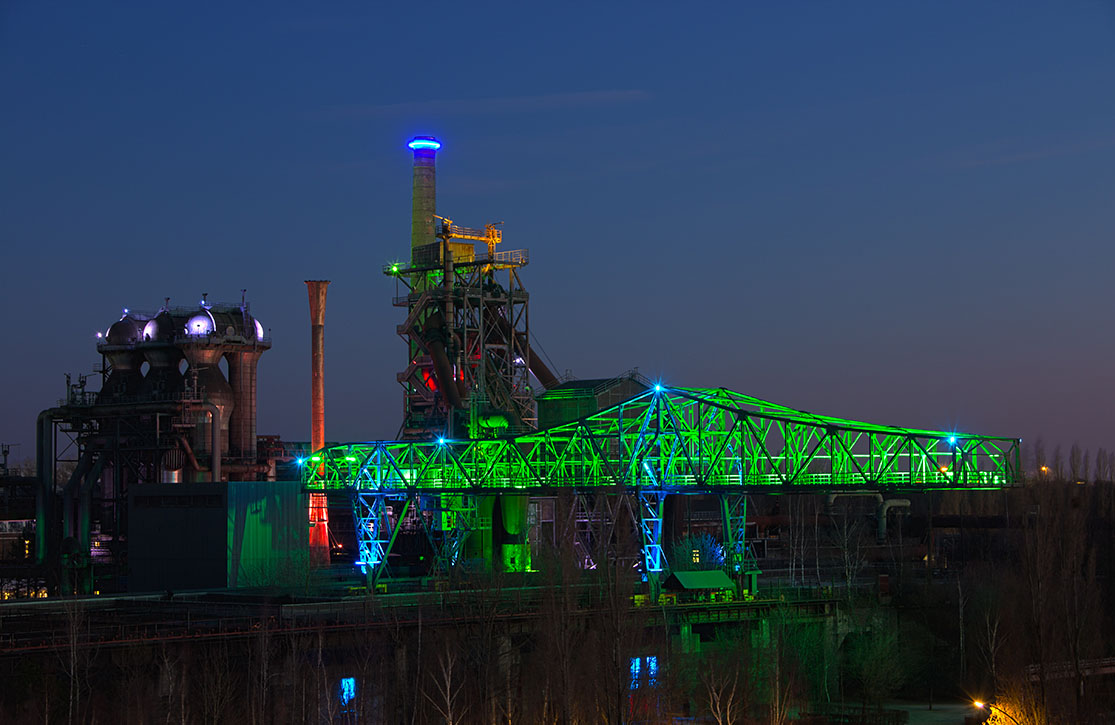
point(467, 325)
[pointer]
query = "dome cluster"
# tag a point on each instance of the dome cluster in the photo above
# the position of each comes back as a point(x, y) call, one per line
point(215, 323)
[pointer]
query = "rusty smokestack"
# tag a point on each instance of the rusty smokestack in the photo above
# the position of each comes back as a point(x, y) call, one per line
point(317, 289)
point(319, 506)
point(424, 196)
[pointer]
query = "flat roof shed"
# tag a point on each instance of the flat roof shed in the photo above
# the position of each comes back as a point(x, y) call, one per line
point(712, 579)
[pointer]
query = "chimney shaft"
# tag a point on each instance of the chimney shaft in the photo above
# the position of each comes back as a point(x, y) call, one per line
point(317, 290)
point(424, 196)
point(319, 505)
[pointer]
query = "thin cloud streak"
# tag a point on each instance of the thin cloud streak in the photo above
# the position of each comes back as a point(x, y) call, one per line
point(1049, 152)
point(483, 106)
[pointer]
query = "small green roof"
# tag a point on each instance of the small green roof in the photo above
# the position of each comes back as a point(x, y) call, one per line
point(709, 579)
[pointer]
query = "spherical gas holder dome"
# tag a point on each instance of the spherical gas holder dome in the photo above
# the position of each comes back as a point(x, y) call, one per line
point(124, 331)
point(159, 329)
point(201, 323)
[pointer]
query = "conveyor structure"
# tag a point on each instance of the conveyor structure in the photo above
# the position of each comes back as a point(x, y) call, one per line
point(666, 441)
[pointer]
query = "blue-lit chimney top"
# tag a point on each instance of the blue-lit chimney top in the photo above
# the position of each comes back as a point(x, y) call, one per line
point(424, 143)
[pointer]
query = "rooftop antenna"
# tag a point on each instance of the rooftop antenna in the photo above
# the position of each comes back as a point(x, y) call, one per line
point(5, 449)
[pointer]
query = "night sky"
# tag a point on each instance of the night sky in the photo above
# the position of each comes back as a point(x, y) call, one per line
point(896, 212)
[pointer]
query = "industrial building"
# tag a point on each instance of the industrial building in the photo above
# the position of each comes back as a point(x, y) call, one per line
point(176, 406)
point(496, 458)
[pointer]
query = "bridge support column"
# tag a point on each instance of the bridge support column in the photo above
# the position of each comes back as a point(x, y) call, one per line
point(374, 534)
point(651, 509)
point(369, 513)
point(733, 511)
point(457, 515)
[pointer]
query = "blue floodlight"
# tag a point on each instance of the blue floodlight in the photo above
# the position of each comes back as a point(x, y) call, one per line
point(657, 388)
point(301, 461)
point(441, 441)
point(424, 143)
point(952, 440)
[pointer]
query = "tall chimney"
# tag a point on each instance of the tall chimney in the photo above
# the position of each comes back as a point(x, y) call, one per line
point(317, 289)
point(423, 201)
point(319, 507)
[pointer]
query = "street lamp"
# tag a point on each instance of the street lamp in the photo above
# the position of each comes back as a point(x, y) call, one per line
point(989, 706)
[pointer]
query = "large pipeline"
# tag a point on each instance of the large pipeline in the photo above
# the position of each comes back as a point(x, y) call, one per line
point(539, 368)
point(433, 335)
point(70, 492)
point(85, 505)
point(881, 515)
point(189, 451)
point(242, 369)
point(44, 459)
point(215, 429)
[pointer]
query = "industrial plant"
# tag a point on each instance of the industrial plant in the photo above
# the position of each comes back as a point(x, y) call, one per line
point(531, 547)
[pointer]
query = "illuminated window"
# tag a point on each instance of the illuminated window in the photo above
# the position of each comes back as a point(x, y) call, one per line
point(346, 691)
point(644, 672)
point(696, 556)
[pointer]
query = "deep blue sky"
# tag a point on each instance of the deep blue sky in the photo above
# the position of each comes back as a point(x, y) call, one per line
point(899, 212)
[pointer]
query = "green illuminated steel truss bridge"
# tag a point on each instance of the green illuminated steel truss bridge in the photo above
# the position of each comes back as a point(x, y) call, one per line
point(665, 441)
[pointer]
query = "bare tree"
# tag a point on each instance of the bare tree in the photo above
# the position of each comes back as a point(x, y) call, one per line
point(218, 683)
point(992, 638)
point(76, 657)
point(1076, 467)
point(173, 685)
point(1040, 461)
point(876, 660)
point(1077, 586)
point(327, 702)
point(847, 535)
point(260, 673)
point(725, 683)
point(447, 684)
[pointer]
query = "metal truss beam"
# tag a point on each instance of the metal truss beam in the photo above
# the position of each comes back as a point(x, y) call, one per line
point(680, 440)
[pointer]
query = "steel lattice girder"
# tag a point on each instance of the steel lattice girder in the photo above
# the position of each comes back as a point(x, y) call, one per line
point(685, 441)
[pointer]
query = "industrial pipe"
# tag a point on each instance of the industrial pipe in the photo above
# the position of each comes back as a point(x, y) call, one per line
point(189, 451)
point(831, 498)
point(85, 507)
point(242, 367)
point(215, 439)
point(881, 515)
point(434, 335)
point(44, 460)
point(69, 491)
